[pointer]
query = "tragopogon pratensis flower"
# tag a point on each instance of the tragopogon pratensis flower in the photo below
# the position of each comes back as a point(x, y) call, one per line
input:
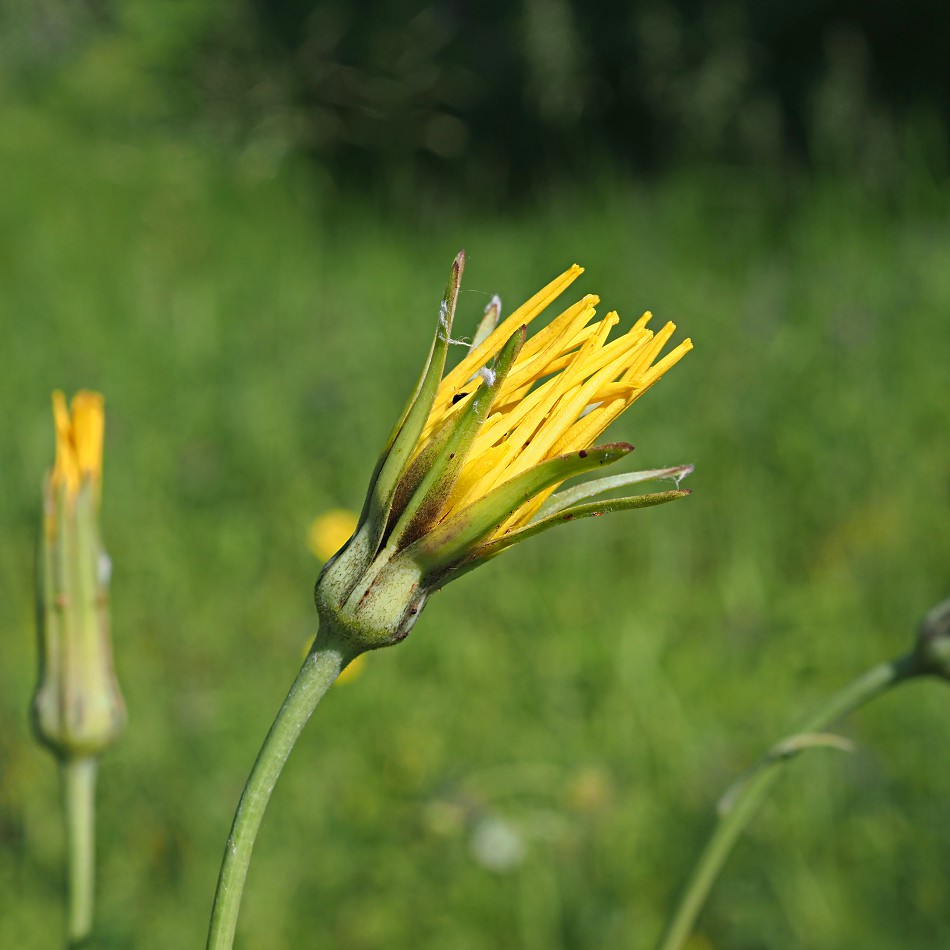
point(78, 709)
point(473, 463)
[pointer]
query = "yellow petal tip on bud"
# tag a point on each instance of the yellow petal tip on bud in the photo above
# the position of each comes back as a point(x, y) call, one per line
point(480, 449)
point(352, 671)
point(80, 431)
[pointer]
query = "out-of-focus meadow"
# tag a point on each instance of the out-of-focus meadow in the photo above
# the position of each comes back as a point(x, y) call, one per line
point(537, 766)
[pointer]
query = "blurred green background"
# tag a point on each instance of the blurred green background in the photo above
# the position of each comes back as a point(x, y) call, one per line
point(236, 219)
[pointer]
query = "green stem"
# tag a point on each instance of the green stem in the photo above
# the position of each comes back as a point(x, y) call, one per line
point(79, 794)
point(321, 667)
point(752, 792)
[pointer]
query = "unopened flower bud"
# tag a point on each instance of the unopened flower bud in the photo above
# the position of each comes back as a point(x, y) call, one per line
point(933, 641)
point(77, 709)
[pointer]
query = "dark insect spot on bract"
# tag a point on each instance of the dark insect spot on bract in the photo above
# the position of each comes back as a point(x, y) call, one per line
point(583, 453)
point(457, 397)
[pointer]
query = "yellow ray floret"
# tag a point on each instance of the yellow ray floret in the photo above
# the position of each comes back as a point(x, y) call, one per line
point(566, 386)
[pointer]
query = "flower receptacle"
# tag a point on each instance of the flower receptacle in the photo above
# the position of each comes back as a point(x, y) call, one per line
point(376, 609)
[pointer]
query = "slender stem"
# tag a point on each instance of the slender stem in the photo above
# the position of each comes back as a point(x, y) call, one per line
point(79, 793)
point(751, 793)
point(321, 667)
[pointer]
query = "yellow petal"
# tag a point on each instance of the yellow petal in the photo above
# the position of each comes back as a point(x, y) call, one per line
point(566, 386)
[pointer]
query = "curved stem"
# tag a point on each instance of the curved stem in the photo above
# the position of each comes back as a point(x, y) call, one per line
point(321, 667)
point(751, 792)
point(79, 794)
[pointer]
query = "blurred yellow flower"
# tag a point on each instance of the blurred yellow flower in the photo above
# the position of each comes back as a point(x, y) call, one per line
point(330, 531)
point(350, 673)
point(353, 671)
point(590, 790)
point(326, 535)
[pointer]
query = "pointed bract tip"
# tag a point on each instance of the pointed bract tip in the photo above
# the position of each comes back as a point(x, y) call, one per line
point(622, 448)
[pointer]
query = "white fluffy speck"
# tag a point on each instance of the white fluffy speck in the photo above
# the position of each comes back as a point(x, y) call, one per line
point(497, 844)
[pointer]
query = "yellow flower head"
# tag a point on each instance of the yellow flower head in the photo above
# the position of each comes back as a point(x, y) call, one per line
point(473, 465)
point(566, 385)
